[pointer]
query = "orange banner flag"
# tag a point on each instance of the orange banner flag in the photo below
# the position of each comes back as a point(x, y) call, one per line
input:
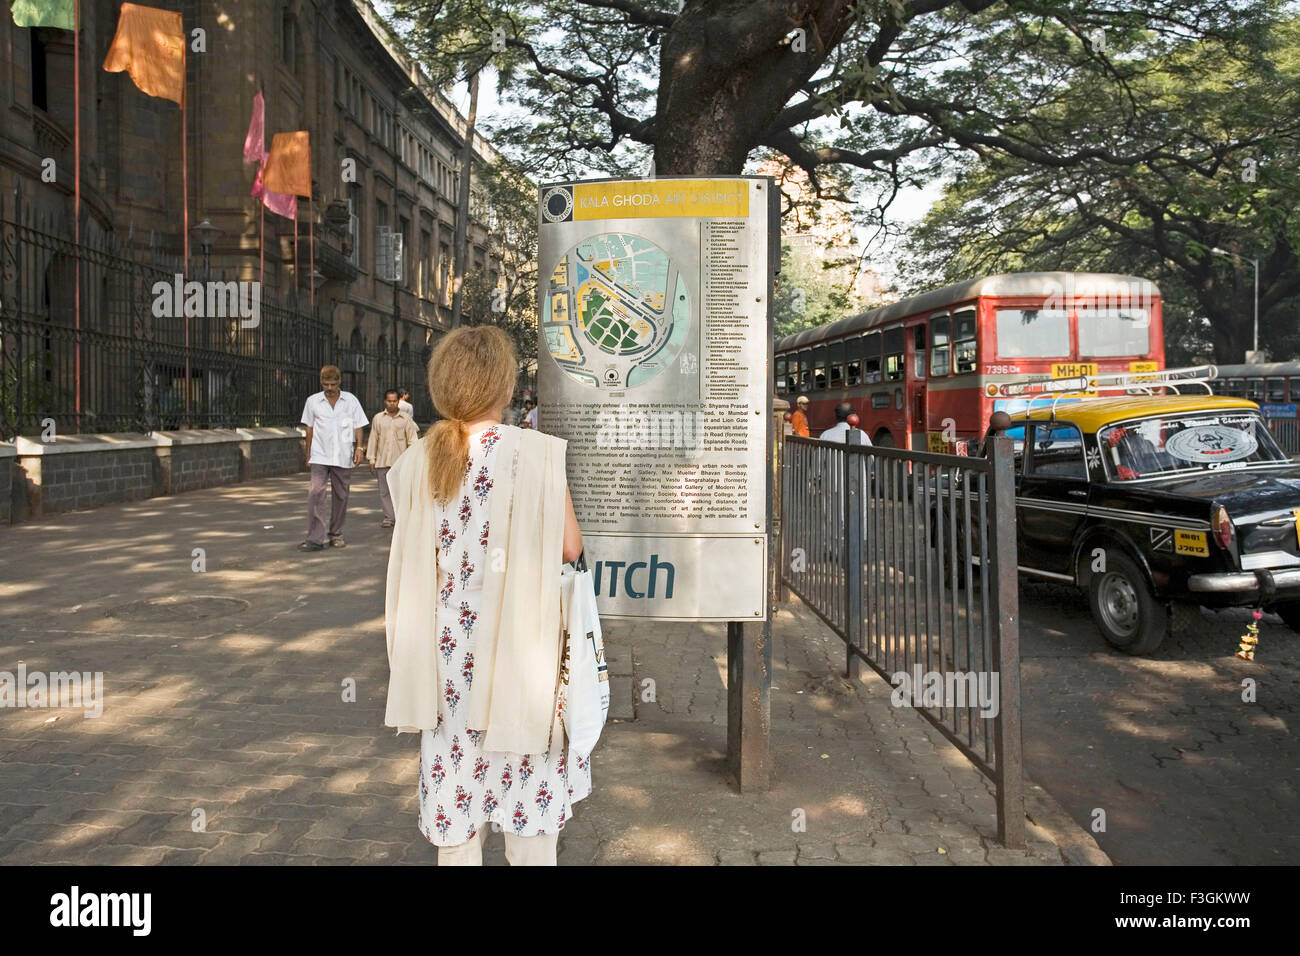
point(289, 168)
point(150, 46)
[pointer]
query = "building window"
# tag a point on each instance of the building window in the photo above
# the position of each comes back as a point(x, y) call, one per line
point(404, 228)
point(40, 91)
point(426, 264)
point(289, 40)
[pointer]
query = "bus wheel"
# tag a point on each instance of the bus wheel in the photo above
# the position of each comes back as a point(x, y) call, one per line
point(884, 439)
point(1124, 609)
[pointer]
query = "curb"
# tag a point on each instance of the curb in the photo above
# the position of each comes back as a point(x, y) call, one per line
point(1046, 815)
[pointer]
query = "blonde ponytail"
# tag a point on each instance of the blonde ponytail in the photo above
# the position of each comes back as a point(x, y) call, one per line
point(471, 376)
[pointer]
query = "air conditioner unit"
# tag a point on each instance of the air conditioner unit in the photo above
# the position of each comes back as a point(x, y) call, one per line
point(353, 362)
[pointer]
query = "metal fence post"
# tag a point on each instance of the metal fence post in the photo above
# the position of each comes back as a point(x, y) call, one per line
point(1004, 610)
point(852, 550)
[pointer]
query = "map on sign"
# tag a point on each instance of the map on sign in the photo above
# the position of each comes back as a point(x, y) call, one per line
point(616, 312)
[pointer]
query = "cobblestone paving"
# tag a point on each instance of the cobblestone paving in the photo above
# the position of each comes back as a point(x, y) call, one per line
point(225, 737)
point(1186, 771)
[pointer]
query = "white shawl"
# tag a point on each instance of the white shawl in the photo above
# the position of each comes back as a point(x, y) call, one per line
point(519, 632)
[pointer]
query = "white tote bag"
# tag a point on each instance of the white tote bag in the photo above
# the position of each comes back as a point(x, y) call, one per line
point(584, 678)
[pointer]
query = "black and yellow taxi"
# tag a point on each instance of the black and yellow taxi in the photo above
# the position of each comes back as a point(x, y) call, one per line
point(1155, 499)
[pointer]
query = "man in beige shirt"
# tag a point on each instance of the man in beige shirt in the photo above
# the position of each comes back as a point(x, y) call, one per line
point(391, 433)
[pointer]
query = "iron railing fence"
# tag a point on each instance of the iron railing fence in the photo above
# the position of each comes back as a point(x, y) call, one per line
point(1287, 433)
point(910, 558)
point(137, 362)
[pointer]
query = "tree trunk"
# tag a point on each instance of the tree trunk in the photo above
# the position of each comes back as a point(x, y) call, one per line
point(725, 76)
point(462, 208)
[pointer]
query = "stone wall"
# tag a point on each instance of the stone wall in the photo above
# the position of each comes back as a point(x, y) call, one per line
point(84, 471)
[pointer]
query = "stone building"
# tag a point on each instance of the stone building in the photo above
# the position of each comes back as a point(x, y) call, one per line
point(327, 66)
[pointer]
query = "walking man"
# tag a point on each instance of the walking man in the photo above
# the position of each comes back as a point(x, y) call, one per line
point(403, 403)
point(391, 433)
point(335, 422)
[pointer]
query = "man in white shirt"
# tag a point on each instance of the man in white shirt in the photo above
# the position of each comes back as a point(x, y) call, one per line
point(335, 421)
point(840, 430)
point(530, 419)
point(404, 404)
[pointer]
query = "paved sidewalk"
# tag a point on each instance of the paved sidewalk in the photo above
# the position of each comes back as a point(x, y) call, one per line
point(225, 737)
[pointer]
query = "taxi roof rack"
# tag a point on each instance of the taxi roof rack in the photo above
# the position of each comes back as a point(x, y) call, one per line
point(1133, 383)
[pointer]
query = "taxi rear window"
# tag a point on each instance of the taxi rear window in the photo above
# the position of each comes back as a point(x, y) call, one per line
point(1179, 443)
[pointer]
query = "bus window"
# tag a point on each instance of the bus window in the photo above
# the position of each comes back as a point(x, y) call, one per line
point(940, 347)
point(871, 358)
point(1255, 389)
point(1032, 333)
point(918, 351)
point(963, 347)
point(792, 373)
point(819, 366)
point(780, 375)
point(805, 370)
point(1109, 331)
point(1236, 388)
point(894, 354)
point(853, 361)
point(1275, 389)
point(837, 364)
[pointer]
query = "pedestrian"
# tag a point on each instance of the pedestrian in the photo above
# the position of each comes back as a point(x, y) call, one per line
point(483, 512)
point(404, 403)
point(391, 433)
point(840, 430)
point(530, 414)
point(799, 420)
point(335, 422)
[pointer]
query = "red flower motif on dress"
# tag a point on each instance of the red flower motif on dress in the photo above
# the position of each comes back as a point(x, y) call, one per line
point(561, 824)
point(442, 822)
point(525, 770)
point(563, 766)
point(481, 768)
point(520, 819)
point(446, 644)
point(475, 736)
point(445, 594)
point(451, 696)
point(457, 754)
point(445, 535)
point(482, 538)
point(424, 789)
point(482, 484)
point(436, 772)
point(463, 800)
point(465, 512)
point(467, 670)
point(582, 764)
point(543, 797)
point(467, 618)
point(507, 778)
point(488, 438)
point(466, 569)
point(489, 803)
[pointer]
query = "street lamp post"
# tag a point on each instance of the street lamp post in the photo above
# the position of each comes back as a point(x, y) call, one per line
point(206, 234)
point(1255, 263)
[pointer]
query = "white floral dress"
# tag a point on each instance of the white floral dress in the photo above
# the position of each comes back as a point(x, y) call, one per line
point(462, 787)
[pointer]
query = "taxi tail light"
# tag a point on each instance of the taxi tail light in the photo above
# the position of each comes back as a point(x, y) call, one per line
point(1222, 525)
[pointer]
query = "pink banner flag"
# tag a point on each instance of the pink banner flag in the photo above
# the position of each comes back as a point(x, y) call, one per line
point(255, 141)
point(282, 204)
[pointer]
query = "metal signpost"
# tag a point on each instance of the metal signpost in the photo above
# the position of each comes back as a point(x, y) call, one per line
point(655, 344)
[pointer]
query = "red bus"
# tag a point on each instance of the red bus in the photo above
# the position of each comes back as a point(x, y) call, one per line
point(920, 373)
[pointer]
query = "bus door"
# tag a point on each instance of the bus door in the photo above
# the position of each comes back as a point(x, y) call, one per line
point(919, 410)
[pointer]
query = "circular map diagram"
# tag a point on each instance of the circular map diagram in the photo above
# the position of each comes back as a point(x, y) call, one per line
point(617, 311)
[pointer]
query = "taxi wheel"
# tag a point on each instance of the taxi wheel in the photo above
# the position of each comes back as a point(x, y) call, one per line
point(1290, 613)
point(1124, 609)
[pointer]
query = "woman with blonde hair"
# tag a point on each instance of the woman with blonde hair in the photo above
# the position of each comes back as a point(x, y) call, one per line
point(484, 524)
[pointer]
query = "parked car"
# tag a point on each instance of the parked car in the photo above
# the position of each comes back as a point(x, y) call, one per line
point(1151, 501)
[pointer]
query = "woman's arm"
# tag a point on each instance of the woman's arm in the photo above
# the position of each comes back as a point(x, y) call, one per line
point(572, 533)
